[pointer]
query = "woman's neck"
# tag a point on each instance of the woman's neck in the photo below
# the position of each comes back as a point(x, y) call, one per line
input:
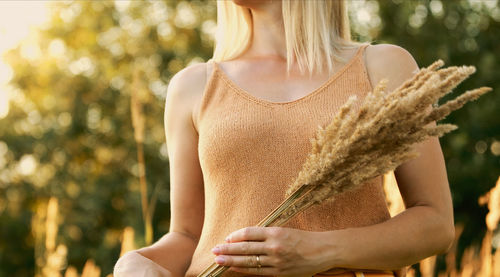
point(268, 32)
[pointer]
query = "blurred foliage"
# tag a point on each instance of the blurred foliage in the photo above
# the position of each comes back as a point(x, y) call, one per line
point(69, 133)
point(459, 32)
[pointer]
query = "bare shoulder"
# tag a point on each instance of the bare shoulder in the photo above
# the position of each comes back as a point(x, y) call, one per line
point(185, 89)
point(188, 83)
point(389, 61)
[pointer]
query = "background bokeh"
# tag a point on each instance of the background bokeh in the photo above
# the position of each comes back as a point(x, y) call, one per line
point(83, 160)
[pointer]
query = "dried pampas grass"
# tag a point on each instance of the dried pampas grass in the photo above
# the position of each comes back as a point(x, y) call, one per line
point(360, 144)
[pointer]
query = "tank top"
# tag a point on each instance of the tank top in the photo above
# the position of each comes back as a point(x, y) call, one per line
point(250, 150)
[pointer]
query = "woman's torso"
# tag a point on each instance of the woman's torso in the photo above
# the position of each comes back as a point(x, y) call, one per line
point(251, 149)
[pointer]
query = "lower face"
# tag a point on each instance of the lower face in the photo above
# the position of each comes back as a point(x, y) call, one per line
point(252, 3)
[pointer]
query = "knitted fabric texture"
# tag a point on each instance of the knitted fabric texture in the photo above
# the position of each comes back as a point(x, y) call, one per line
point(251, 150)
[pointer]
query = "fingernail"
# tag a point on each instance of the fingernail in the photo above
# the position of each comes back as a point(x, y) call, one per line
point(219, 260)
point(216, 250)
point(227, 239)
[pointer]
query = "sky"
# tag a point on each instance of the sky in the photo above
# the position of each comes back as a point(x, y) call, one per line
point(17, 20)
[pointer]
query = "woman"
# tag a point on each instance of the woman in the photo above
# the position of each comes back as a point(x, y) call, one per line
point(238, 130)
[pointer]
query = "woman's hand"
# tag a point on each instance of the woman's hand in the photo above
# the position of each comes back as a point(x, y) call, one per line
point(280, 251)
point(133, 264)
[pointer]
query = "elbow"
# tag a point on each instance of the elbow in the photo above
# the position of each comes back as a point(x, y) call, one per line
point(439, 232)
point(446, 237)
point(441, 229)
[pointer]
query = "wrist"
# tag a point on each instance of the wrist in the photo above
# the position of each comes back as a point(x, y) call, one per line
point(333, 249)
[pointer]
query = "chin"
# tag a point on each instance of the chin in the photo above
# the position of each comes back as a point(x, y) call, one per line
point(251, 3)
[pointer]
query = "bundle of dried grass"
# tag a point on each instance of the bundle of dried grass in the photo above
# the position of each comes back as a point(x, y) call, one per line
point(360, 144)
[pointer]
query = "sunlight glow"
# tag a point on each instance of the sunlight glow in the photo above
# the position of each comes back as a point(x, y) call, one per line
point(27, 165)
point(17, 19)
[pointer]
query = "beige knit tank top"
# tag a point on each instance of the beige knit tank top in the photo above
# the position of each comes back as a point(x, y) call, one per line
point(251, 149)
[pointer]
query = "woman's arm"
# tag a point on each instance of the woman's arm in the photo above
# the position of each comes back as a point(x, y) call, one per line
point(424, 229)
point(175, 249)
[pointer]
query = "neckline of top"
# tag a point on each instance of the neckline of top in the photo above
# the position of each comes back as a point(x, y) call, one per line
point(254, 98)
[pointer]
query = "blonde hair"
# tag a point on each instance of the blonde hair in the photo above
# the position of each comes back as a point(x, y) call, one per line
point(315, 31)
